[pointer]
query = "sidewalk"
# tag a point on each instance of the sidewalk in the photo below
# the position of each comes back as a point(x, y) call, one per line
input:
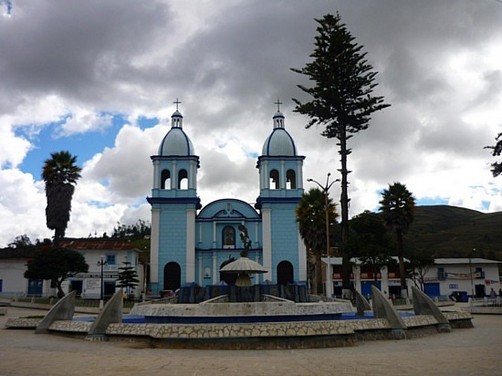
point(473, 351)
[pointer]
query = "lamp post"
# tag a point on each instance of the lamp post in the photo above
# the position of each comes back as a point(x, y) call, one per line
point(102, 262)
point(470, 272)
point(325, 190)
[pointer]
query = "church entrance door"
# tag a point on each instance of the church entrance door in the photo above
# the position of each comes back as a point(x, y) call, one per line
point(285, 273)
point(172, 276)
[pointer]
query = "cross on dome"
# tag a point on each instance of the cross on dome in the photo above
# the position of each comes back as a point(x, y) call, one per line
point(278, 103)
point(177, 102)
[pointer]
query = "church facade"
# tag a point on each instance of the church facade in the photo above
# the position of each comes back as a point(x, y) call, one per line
point(190, 243)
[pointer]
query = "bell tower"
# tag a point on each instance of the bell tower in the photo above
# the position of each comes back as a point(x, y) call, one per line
point(281, 188)
point(174, 204)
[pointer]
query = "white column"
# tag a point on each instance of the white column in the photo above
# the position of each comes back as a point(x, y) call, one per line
point(302, 259)
point(265, 176)
point(156, 176)
point(200, 278)
point(190, 251)
point(216, 271)
point(174, 176)
point(384, 280)
point(329, 279)
point(154, 246)
point(282, 177)
point(214, 235)
point(356, 270)
point(300, 175)
point(267, 242)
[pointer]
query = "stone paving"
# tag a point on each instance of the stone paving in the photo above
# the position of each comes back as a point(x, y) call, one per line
point(474, 351)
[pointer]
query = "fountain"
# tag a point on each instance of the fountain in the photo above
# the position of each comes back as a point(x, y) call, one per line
point(273, 324)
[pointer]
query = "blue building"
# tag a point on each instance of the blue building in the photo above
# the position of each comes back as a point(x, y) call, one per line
point(190, 243)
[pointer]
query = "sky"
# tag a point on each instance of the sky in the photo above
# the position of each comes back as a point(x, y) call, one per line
point(99, 78)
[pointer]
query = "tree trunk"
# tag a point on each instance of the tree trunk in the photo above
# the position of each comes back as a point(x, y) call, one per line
point(344, 203)
point(318, 275)
point(402, 269)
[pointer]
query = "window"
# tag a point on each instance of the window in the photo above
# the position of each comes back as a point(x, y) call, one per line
point(228, 237)
point(183, 179)
point(110, 259)
point(274, 179)
point(165, 179)
point(291, 179)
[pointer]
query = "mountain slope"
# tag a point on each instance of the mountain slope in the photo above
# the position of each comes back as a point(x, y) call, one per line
point(449, 231)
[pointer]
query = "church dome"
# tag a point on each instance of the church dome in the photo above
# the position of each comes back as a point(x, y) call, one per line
point(279, 143)
point(176, 142)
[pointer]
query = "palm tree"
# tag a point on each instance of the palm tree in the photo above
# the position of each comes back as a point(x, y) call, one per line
point(60, 175)
point(397, 207)
point(311, 218)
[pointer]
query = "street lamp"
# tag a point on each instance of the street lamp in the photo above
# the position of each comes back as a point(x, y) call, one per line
point(102, 262)
point(325, 190)
point(470, 272)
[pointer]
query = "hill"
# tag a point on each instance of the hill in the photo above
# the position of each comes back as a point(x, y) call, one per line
point(450, 231)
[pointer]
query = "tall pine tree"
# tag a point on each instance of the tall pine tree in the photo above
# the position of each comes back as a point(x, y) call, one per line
point(341, 102)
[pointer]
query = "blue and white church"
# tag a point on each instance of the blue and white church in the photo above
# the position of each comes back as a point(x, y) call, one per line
point(190, 243)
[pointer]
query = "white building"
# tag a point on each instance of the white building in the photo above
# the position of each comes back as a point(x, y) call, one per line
point(104, 257)
point(461, 277)
point(12, 267)
point(362, 278)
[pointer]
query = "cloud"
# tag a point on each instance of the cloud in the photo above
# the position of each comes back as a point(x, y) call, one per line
point(73, 68)
point(84, 121)
point(125, 170)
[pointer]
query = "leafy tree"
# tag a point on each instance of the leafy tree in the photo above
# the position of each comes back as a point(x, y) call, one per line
point(497, 151)
point(138, 234)
point(128, 278)
point(420, 263)
point(371, 242)
point(60, 174)
point(138, 230)
point(397, 207)
point(311, 218)
point(56, 265)
point(342, 101)
point(21, 241)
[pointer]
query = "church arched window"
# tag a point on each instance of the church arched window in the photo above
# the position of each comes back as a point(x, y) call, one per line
point(182, 179)
point(165, 179)
point(291, 179)
point(228, 237)
point(274, 179)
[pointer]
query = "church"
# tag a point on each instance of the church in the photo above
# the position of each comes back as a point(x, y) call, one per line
point(191, 243)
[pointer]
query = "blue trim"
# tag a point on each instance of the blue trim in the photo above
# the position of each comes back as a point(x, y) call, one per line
point(174, 200)
point(278, 158)
point(276, 200)
point(239, 319)
point(213, 203)
point(176, 157)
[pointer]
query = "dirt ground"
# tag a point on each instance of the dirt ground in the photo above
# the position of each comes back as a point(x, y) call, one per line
point(476, 351)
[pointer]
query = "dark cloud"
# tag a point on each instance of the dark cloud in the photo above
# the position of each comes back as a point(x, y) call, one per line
point(77, 49)
point(228, 61)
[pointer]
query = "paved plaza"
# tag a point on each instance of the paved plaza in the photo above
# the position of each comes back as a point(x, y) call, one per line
point(476, 351)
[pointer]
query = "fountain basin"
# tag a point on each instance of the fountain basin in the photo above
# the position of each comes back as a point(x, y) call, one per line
point(248, 312)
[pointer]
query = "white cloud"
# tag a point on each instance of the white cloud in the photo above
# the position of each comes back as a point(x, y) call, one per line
point(78, 65)
point(83, 121)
